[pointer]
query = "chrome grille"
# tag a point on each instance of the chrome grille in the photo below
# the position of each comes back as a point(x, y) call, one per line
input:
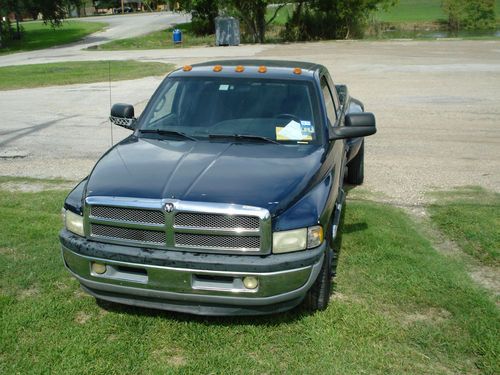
point(217, 241)
point(202, 220)
point(128, 214)
point(139, 235)
point(190, 226)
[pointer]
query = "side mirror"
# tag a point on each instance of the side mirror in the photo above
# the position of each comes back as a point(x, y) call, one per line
point(360, 119)
point(123, 115)
point(356, 125)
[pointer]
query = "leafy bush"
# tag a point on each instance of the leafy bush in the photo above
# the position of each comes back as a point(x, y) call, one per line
point(323, 19)
point(470, 14)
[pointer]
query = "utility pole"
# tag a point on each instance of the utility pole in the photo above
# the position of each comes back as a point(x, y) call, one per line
point(123, 8)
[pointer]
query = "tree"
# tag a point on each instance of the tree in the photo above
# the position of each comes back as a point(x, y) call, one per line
point(253, 15)
point(331, 19)
point(203, 14)
point(53, 12)
point(470, 14)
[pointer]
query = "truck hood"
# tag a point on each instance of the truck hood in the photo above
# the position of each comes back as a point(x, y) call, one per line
point(263, 175)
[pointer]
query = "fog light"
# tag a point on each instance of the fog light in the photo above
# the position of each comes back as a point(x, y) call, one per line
point(250, 282)
point(98, 268)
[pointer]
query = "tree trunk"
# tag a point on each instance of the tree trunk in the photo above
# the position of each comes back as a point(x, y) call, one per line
point(260, 20)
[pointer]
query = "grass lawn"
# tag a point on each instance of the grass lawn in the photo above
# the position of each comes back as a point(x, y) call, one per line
point(159, 40)
point(37, 35)
point(66, 73)
point(283, 14)
point(471, 218)
point(418, 11)
point(400, 307)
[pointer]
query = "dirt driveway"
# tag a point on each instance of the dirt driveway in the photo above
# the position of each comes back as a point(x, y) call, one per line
point(437, 106)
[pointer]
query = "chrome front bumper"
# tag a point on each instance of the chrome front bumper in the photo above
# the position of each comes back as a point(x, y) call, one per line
point(197, 291)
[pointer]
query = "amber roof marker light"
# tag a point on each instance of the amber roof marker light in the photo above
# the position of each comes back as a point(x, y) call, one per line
point(239, 69)
point(217, 68)
point(297, 71)
point(187, 68)
point(262, 69)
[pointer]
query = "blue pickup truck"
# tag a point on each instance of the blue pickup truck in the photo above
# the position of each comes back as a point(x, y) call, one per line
point(227, 196)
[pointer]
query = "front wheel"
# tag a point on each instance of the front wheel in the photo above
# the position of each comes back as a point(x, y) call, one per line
point(318, 296)
point(356, 167)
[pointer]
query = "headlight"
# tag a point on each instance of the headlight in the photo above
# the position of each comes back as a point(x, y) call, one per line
point(73, 222)
point(297, 239)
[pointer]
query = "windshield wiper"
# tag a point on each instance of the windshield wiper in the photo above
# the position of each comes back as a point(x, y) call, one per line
point(167, 132)
point(244, 136)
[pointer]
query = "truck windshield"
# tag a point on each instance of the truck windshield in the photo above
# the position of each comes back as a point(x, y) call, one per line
point(220, 108)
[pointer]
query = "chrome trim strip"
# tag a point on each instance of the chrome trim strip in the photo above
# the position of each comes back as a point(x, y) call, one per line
point(126, 224)
point(225, 250)
point(117, 241)
point(222, 231)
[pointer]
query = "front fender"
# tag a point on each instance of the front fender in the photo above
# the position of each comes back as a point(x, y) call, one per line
point(314, 208)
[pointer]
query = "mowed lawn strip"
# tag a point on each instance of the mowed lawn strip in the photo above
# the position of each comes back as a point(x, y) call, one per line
point(418, 11)
point(38, 35)
point(66, 73)
point(159, 40)
point(399, 307)
point(471, 218)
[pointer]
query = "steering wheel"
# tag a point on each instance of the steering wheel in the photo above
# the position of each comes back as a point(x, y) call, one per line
point(288, 115)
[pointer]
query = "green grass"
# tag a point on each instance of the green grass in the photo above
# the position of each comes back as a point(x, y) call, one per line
point(418, 11)
point(37, 35)
point(471, 218)
point(159, 40)
point(400, 307)
point(413, 11)
point(66, 73)
point(283, 14)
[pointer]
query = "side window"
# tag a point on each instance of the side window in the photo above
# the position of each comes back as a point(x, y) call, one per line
point(330, 108)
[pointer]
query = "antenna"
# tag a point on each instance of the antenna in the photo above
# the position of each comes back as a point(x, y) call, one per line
point(110, 102)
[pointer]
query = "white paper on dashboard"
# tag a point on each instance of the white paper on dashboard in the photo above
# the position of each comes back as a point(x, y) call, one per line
point(292, 131)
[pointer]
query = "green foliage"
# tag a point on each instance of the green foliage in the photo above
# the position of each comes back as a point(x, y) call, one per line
point(253, 15)
point(203, 15)
point(327, 19)
point(470, 14)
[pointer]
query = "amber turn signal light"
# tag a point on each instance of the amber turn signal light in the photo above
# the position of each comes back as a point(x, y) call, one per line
point(217, 68)
point(187, 68)
point(262, 69)
point(297, 71)
point(239, 69)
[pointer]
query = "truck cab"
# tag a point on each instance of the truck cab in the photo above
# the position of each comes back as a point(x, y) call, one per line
point(226, 197)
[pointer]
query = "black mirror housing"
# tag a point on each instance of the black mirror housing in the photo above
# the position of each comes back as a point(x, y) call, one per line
point(357, 125)
point(123, 115)
point(360, 119)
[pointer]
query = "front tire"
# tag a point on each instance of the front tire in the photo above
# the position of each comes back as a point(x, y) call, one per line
point(318, 297)
point(356, 167)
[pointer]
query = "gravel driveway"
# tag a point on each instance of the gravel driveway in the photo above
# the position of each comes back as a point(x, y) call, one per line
point(437, 106)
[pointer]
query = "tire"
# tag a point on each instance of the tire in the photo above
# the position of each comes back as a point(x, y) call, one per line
point(356, 167)
point(318, 297)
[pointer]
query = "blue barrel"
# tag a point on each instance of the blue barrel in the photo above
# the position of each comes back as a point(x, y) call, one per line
point(177, 36)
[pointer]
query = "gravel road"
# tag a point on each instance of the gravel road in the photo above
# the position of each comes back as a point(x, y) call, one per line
point(437, 106)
